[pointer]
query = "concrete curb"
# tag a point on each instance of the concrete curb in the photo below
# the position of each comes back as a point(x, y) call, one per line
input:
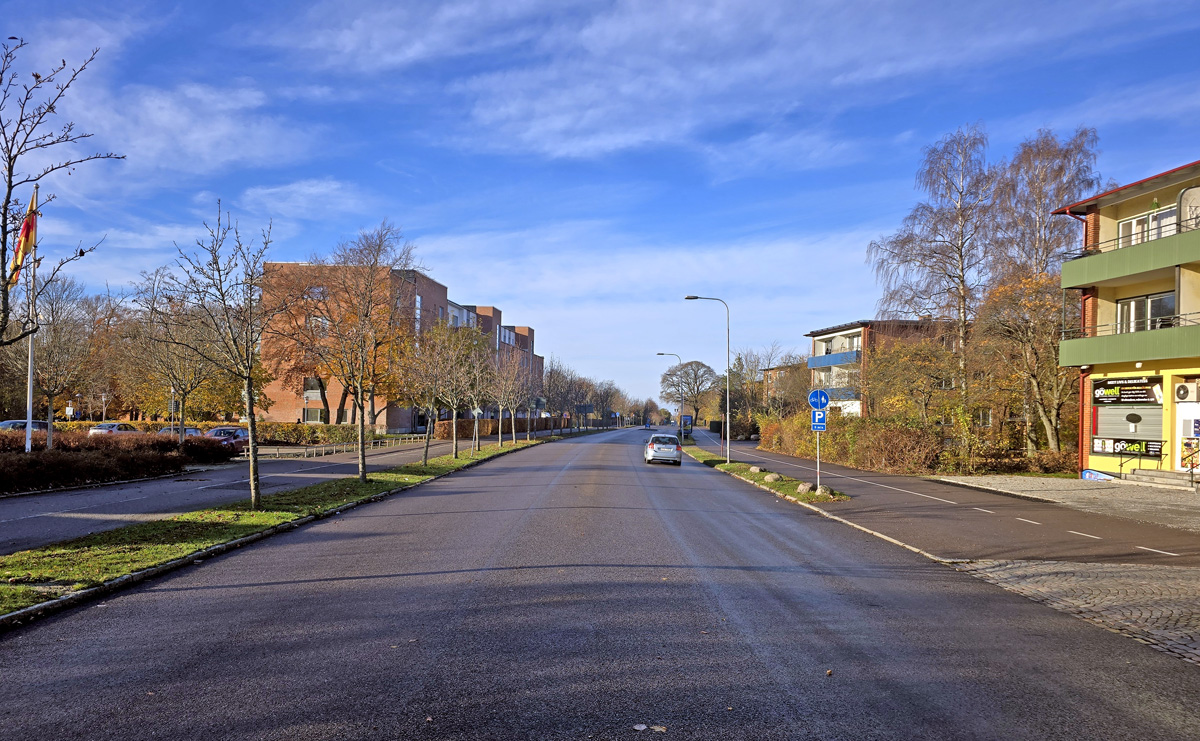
point(992, 490)
point(13, 620)
point(823, 513)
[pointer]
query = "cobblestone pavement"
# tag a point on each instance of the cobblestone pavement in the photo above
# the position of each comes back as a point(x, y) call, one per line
point(1156, 605)
point(1154, 504)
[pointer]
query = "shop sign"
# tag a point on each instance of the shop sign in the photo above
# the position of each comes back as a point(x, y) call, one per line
point(1151, 448)
point(1138, 390)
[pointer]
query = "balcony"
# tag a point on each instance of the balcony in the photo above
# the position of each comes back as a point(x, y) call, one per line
point(1113, 259)
point(1160, 338)
point(849, 357)
point(843, 393)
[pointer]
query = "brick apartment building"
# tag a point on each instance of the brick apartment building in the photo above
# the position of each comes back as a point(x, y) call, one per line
point(838, 355)
point(318, 400)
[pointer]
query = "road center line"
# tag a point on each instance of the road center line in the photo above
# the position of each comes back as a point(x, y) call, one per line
point(929, 496)
point(1031, 522)
point(1155, 550)
point(981, 509)
point(1095, 537)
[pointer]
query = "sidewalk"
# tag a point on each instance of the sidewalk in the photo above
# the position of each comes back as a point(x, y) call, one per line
point(1153, 504)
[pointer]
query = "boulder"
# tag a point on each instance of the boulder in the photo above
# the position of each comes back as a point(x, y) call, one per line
point(824, 491)
point(803, 487)
point(772, 478)
point(754, 436)
point(755, 469)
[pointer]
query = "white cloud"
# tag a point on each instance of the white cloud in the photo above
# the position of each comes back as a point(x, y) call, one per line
point(306, 199)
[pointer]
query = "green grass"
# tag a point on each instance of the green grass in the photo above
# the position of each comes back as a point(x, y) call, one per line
point(787, 486)
point(30, 577)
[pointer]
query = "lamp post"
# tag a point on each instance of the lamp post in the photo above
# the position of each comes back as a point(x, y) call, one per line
point(728, 411)
point(679, 392)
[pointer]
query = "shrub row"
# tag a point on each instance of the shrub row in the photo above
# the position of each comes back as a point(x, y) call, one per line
point(269, 432)
point(893, 445)
point(83, 460)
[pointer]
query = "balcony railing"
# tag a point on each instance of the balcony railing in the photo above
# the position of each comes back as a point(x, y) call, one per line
point(1148, 234)
point(1139, 325)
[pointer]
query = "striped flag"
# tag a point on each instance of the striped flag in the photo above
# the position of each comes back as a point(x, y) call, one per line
point(25, 243)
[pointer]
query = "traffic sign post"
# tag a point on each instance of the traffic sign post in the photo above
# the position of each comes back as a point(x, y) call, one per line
point(819, 401)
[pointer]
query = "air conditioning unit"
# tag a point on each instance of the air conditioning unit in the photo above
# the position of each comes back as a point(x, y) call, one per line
point(1186, 391)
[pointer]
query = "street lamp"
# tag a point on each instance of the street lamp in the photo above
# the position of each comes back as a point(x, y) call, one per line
point(679, 391)
point(728, 411)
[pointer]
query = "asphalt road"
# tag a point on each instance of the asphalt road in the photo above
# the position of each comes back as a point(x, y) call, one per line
point(40, 519)
point(956, 522)
point(570, 591)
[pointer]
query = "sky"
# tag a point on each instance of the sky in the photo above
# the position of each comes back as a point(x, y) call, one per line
point(585, 165)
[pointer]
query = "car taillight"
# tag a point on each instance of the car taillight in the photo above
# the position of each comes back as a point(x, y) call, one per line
point(679, 448)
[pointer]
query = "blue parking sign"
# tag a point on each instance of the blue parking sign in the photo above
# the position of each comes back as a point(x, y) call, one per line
point(818, 420)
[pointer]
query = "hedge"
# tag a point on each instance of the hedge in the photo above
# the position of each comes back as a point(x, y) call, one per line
point(488, 427)
point(873, 444)
point(288, 433)
point(81, 459)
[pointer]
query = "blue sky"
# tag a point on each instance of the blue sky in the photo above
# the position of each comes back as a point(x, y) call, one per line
point(584, 165)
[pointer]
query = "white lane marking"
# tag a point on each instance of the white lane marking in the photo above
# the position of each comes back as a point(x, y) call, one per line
point(981, 509)
point(927, 496)
point(1031, 522)
point(1094, 537)
point(1155, 550)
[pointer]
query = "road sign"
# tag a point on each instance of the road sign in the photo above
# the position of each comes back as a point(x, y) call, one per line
point(818, 399)
point(818, 420)
point(477, 411)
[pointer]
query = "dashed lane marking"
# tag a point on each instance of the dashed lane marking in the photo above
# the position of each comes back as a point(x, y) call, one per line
point(1031, 522)
point(1094, 537)
point(981, 509)
point(1155, 550)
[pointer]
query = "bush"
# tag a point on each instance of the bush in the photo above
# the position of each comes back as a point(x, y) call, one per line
point(488, 427)
point(876, 444)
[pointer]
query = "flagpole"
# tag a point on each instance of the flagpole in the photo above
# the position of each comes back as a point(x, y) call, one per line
point(32, 320)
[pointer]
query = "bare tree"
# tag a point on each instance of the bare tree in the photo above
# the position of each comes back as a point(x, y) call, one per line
point(508, 388)
point(61, 347)
point(532, 389)
point(938, 262)
point(424, 370)
point(218, 296)
point(29, 127)
point(1043, 175)
point(350, 312)
point(479, 377)
point(557, 383)
point(603, 396)
point(164, 361)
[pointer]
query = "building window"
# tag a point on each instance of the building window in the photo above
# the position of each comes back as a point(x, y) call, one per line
point(314, 415)
point(983, 417)
point(1146, 312)
point(1146, 227)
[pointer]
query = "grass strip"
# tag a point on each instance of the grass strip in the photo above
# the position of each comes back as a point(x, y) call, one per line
point(786, 486)
point(31, 577)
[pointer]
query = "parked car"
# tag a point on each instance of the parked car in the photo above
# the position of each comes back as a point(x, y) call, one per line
point(664, 448)
point(187, 431)
point(236, 437)
point(114, 428)
point(19, 424)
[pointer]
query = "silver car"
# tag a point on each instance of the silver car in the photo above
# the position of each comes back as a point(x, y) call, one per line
point(664, 448)
point(114, 428)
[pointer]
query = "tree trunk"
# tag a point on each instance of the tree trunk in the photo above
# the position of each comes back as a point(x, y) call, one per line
point(252, 444)
point(324, 398)
point(342, 405)
point(500, 434)
point(454, 431)
point(182, 429)
point(362, 436)
point(374, 412)
point(428, 434)
point(475, 435)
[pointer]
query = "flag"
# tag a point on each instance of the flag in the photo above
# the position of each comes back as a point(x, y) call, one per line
point(25, 243)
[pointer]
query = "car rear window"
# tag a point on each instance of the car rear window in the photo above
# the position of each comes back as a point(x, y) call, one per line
point(664, 440)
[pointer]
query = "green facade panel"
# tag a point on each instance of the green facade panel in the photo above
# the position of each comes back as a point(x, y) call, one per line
point(1158, 344)
point(1167, 252)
